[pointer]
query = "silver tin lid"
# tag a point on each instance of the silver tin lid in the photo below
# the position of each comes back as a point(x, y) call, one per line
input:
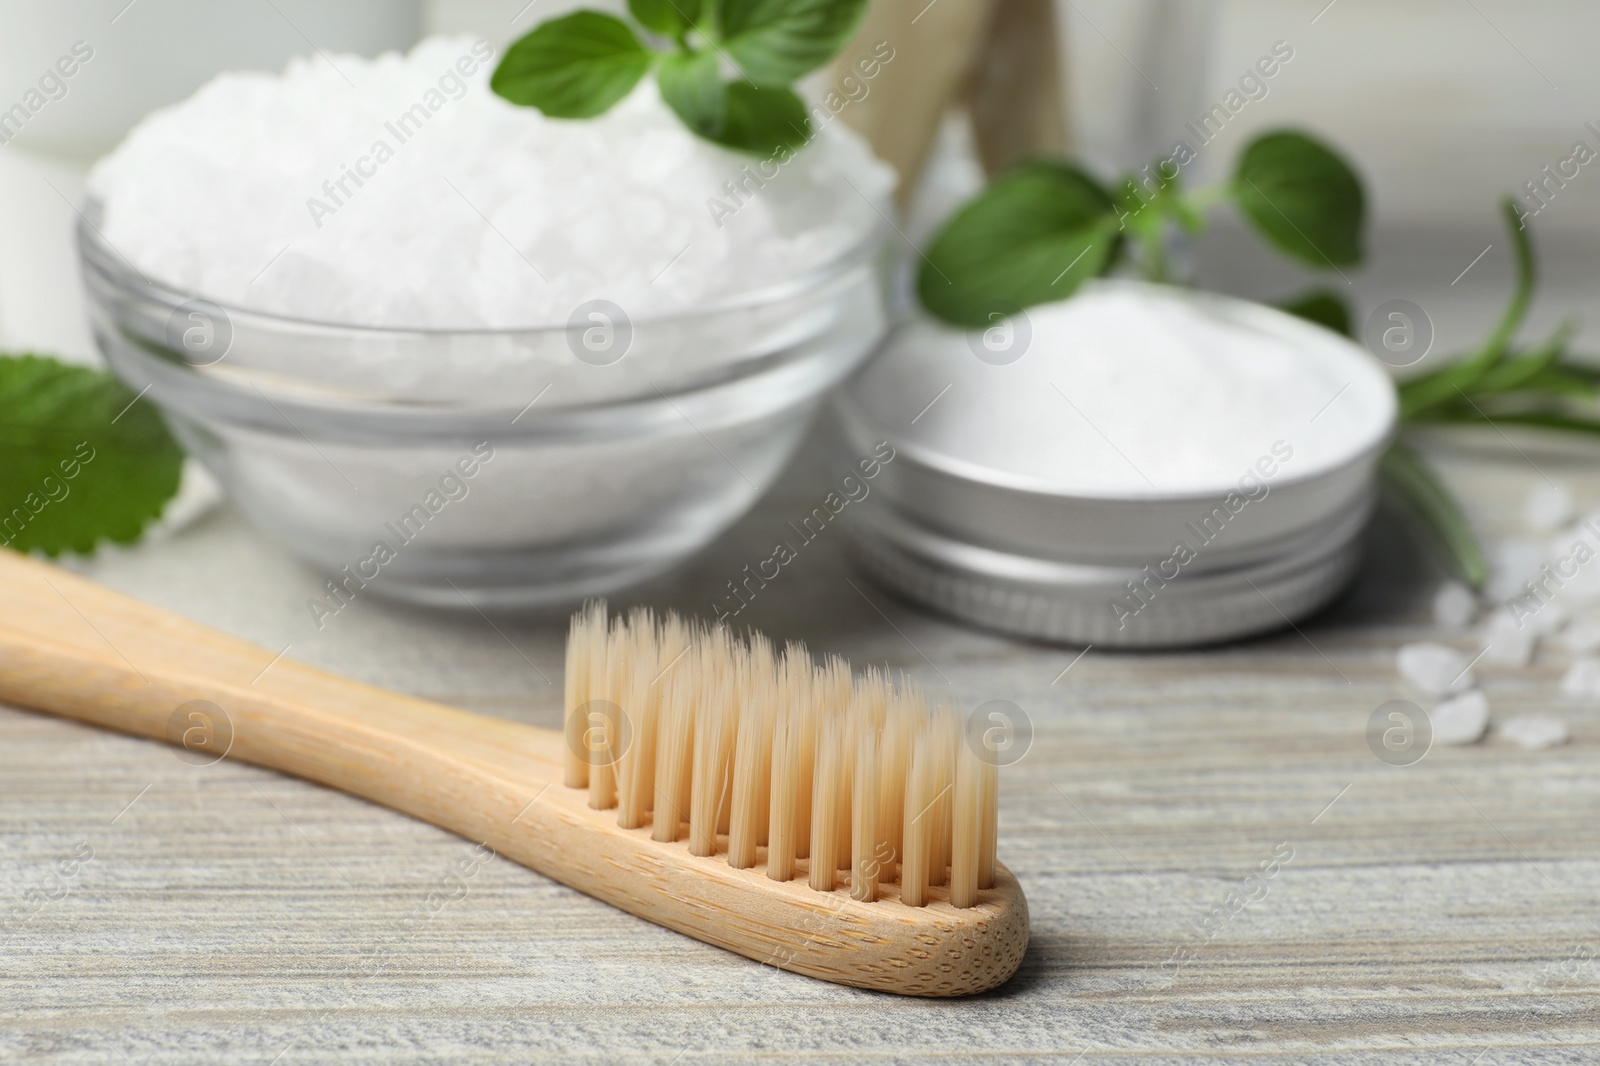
point(1044, 599)
point(1011, 550)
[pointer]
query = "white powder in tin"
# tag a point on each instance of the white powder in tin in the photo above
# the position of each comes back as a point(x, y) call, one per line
point(1128, 390)
point(465, 210)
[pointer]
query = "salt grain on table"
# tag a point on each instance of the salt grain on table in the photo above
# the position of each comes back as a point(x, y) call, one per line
point(1513, 563)
point(1548, 507)
point(1583, 679)
point(1434, 668)
point(1544, 620)
point(1582, 586)
point(1582, 637)
point(1461, 720)
point(1506, 642)
point(1535, 731)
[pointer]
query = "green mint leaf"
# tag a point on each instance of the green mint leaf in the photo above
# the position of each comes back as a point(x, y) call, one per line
point(670, 18)
point(1033, 236)
point(1430, 503)
point(692, 86)
point(1303, 198)
point(80, 460)
point(576, 66)
point(775, 42)
point(764, 121)
point(736, 115)
point(1322, 306)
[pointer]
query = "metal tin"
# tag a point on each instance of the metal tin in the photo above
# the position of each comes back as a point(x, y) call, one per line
point(1012, 553)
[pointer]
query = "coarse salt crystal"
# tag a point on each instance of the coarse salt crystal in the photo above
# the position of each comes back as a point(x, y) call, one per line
point(1549, 505)
point(1582, 637)
point(1461, 720)
point(1534, 731)
point(1506, 643)
point(1544, 619)
point(401, 191)
point(1583, 679)
point(1569, 540)
point(1573, 563)
point(1454, 606)
point(1513, 563)
point(1434, 668)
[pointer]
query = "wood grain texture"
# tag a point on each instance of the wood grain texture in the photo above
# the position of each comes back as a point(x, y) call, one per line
point(1442, 912)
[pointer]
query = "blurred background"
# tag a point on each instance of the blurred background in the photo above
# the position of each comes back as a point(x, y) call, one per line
point(1445, 105)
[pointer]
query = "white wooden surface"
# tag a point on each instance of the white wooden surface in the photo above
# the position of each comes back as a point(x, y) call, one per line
point(1443, 912)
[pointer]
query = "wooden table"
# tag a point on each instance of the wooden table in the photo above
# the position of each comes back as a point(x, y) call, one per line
point(1443, 912)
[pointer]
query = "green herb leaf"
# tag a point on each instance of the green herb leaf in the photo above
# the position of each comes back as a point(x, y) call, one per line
point(1568, 379)
point(1431, 504)
point(1509, 373)
point(670, 18)
point(764, 122)
point(1145, 214)
point(576, 66)
point(1322, 306)
point(1034, 235)
point(1494, 345)
point(1447, 384)
point(82, 461)
point(1302, 197)
point(1569, 423)
point(692, 87)
point(775, 42)
point(737, 115)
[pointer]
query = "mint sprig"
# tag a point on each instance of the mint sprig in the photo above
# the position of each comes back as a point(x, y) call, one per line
point(1018, 241)
point(81, 460)
point(726, 67)
point(1545, 386)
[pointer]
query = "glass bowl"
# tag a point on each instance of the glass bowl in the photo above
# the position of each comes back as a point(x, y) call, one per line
point(491, 468)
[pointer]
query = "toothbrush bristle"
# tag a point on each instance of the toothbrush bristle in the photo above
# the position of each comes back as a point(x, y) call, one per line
point(774, 762)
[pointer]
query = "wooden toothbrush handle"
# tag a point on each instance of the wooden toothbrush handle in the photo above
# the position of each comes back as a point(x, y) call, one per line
point(78, 649)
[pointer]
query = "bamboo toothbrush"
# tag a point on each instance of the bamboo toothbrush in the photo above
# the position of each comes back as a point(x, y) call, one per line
point(765, 761)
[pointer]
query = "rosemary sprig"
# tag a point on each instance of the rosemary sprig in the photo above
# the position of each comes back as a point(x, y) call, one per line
point(1497, 384)
point(1410, 478)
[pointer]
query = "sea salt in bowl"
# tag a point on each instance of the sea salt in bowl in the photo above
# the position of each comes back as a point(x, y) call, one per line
point(526, 499)
point(519, 362)
point(1138, 466)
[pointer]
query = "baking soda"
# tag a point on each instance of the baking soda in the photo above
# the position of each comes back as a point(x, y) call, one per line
point(1132, 391)
point(400, 191)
